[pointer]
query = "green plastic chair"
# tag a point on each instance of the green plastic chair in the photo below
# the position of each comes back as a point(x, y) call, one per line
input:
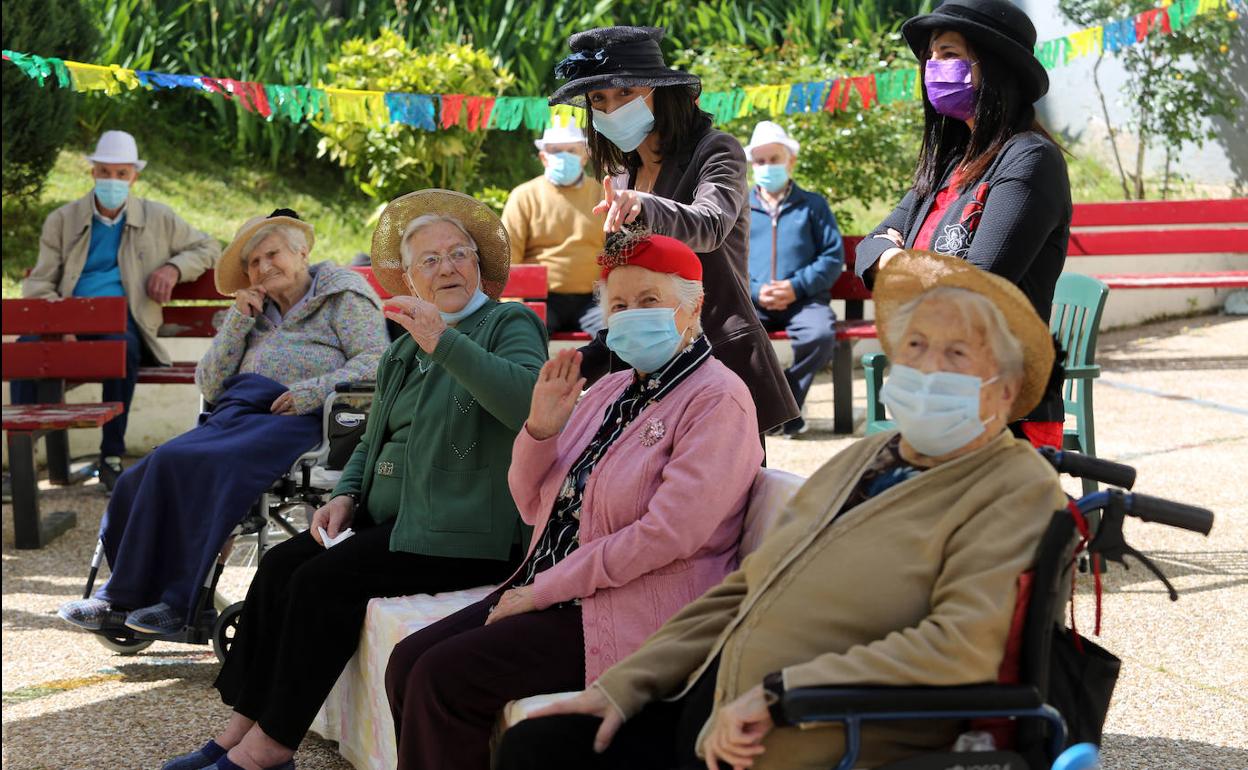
point(1078, 302)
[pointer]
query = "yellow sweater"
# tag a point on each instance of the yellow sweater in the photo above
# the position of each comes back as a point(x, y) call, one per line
point(556, 227)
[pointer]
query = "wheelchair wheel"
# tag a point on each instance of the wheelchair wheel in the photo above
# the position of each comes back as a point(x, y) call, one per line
point(224, 631)
point(123, 645)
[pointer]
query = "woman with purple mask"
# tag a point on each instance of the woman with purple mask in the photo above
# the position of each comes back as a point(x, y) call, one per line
point(990, 185)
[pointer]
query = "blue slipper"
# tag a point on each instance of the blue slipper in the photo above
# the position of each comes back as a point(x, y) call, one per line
point(224, 763)
point(200, 759)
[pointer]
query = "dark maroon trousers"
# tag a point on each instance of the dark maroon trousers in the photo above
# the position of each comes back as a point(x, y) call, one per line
point(448, 682)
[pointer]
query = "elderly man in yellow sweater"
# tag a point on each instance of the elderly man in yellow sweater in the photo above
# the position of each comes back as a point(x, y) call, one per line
point(551, 222)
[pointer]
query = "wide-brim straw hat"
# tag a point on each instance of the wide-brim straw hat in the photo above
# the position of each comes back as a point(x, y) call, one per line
point(230, 275)
point(997, 26)
point(912, 273)
point(615, 57)
point(493, 246)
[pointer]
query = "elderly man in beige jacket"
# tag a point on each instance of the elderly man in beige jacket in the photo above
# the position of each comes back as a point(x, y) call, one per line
point(110, 243)
point(895, 564)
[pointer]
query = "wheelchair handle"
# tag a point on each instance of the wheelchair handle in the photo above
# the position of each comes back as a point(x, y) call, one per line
point(360, 386)
point(1170, 513)
point(1085, 467)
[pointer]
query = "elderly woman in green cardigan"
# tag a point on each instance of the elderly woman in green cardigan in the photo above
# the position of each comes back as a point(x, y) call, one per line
point(425, 492)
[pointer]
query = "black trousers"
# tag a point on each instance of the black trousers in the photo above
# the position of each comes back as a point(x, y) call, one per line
point(660, 737)
point(448, 682)
point(304, 612)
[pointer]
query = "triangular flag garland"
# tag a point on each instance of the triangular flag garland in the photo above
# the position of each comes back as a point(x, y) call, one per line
point(433, 112)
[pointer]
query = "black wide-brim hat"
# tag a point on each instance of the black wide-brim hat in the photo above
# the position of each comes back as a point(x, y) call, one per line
point(615, 57)
point(997, 26)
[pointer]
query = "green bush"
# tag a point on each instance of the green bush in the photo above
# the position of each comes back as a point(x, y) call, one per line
point(860, 160)
point(391, 159)
point(37, 120)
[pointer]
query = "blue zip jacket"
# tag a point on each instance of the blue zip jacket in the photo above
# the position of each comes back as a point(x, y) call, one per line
point(808, 248)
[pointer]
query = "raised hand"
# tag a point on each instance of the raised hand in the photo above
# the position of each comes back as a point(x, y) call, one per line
point(420, 318)
point(250, 301)
point(558, 387)
point(622, 208)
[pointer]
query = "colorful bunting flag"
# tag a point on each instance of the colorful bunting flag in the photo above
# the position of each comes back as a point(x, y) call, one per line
point(429, 112)
point(415, 110)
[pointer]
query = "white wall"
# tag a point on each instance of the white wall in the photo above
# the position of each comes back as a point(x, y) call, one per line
point(1072, 108)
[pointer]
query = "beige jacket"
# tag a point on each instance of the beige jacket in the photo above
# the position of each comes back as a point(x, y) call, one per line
point(154, 236)
point(915, 586)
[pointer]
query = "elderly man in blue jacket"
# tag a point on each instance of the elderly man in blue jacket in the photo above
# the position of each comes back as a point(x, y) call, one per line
point(796, 255)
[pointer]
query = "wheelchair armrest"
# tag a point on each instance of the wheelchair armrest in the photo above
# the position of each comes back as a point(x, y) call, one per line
point(359, 386)
point(827, 704)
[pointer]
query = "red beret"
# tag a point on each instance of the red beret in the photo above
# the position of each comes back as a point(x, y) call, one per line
point(654, 252)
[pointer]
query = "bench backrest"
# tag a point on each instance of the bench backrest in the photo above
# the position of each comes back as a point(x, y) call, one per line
point(54, 359)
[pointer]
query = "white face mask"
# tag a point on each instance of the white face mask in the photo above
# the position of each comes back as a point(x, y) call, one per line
point(628, 126)
point(937, 413)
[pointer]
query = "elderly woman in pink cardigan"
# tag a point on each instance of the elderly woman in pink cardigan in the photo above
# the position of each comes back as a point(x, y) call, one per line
point(636, 495)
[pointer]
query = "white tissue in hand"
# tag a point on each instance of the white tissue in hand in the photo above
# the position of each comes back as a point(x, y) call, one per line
point(330, 542)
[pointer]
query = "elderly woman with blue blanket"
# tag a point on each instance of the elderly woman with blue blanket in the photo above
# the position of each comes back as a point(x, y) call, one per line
point(424, 495)
point(295, 331)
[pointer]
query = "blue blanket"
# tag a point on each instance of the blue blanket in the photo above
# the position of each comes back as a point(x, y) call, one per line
point(171, 512)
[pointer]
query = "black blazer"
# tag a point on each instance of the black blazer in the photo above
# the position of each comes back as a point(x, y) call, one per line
point(1014, 221)
point(701, 198)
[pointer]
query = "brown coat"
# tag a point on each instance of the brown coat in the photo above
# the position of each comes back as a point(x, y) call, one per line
point(154, 236)
point(915, 586)
point(702, 199)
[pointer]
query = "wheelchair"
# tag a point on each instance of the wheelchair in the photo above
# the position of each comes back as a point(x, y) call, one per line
point(1044, 736)
point(305, 487)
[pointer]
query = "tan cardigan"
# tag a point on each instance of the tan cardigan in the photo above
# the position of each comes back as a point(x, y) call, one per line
point(915, 586)
point(154, 237)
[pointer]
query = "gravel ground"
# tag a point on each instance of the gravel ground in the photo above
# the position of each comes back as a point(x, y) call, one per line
point(1181, 702)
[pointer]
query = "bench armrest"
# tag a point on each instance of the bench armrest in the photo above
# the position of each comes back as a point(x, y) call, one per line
point(825, 704)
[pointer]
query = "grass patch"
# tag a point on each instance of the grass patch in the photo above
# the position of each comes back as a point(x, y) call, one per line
point(206, 189)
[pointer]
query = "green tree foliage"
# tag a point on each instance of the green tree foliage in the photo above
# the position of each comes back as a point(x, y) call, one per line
point(288, 43)
point(1176, 82)
point(386, 160)
point(852, 157)
point(37, 120)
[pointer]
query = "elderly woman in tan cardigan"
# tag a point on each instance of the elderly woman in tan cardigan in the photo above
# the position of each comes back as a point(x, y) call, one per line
point(895, 564)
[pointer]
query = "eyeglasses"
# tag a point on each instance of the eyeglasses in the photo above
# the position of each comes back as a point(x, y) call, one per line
point(430, 262)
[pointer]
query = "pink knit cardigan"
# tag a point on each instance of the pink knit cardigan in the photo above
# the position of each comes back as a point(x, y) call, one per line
point(662, 512)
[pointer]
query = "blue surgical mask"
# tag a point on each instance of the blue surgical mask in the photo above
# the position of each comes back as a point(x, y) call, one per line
point(475, 302)
point(645, 338)
point(563, 168)
point(937, 413)
point(111, 193)
point(628, 126)
point(478, 299)
point(771, 177)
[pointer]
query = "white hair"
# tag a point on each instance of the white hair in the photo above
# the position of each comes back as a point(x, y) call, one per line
point(295, 238)
point(687, 292)
point(978, 311)
point(423, 221)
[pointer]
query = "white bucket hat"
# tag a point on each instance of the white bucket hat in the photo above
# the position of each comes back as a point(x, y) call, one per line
point(117, 147)
point(767, 132)
point(569, 134)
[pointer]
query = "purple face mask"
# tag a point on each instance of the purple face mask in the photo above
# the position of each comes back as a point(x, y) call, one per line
point(949, 88)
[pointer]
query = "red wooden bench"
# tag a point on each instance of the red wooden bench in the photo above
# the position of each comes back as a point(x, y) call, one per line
point(51, 361)
point(1139, 228)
